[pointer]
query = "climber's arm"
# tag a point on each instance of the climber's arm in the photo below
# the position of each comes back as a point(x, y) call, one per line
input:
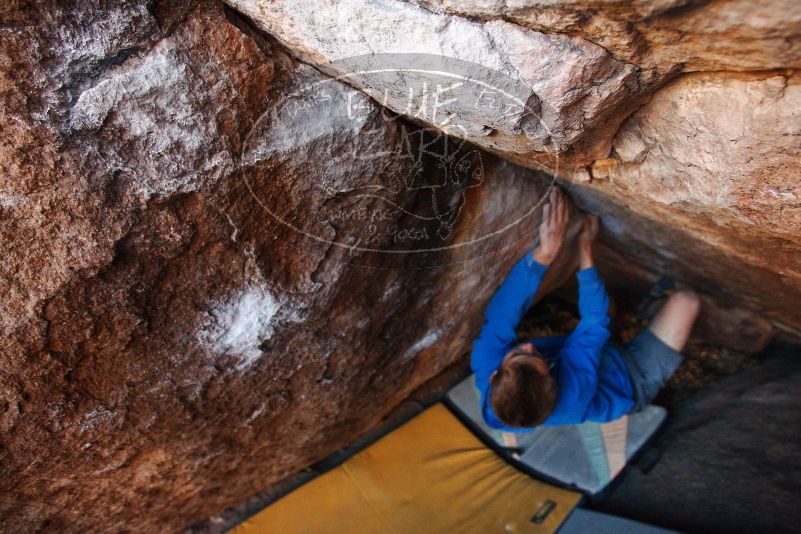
point(581, 353)
point(505, 309)
point(514, 296)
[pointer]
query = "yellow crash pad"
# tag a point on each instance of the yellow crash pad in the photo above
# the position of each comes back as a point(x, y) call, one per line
point(431, 475)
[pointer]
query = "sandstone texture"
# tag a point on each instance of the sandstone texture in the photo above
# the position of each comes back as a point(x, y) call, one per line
point(717, 156)
point(570, 89)
point(582, 66)
point(685, 114)
point(660, 36)
point(226, 256)
point(219, 264)
point(730, 444)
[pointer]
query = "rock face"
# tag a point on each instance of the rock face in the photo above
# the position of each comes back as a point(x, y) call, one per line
point(584, 65)
point(722, 454)
point(660, 37)
point(219, 266)
point(575, 93)
point(653, 104)
point(717, 156)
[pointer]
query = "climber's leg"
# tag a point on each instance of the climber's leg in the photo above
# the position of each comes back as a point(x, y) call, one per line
point(653, 355)
point(674, 321)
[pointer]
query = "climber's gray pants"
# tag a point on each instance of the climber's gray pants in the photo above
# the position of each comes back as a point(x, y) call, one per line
point(650, 363)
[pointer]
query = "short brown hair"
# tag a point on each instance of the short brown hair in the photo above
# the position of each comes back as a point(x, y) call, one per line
point(521, 396)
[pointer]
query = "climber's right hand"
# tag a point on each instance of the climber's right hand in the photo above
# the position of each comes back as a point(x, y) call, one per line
point(555, 220)
point(587, 235)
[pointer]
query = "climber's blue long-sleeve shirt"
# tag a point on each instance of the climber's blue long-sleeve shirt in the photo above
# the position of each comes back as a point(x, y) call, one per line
point(592, 379)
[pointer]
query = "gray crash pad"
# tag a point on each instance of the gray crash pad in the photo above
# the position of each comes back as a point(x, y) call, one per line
point(586, 457)
point(582, 521)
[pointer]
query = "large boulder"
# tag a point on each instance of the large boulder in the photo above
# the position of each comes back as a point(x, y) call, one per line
point(683, 114)
point(716, 159)
point(584, 65)
point(575, 92)
point(219, 264)
point(660, 36)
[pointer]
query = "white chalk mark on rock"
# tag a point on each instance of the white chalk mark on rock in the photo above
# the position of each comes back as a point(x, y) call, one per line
point(422, 344)
point(242, 324)
point(153, 103)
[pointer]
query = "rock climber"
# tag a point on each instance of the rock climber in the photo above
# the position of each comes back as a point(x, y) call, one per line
point(582, 376)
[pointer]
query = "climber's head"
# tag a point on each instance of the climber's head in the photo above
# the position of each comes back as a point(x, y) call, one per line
point(522, 390)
